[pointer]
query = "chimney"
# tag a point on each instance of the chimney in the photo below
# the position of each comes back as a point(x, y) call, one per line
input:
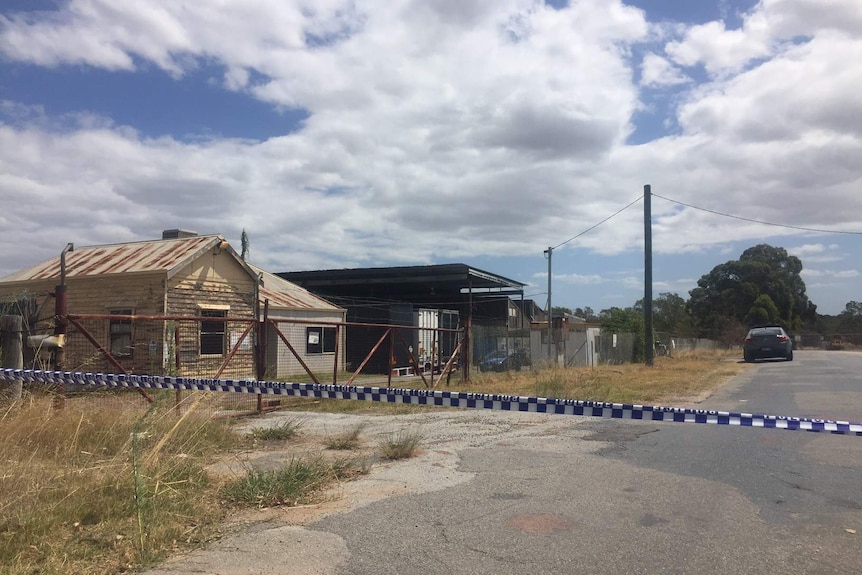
point(176, 234)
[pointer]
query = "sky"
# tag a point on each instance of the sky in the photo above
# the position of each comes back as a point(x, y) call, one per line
point(344, 134)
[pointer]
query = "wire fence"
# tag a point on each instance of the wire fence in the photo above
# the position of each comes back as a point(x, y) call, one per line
point(834, 342)
point(667, 344)
point(222, 347)
point(498, 347)
point(214, 345)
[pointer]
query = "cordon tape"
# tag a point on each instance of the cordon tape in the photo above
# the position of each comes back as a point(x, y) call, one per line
point(461, 399)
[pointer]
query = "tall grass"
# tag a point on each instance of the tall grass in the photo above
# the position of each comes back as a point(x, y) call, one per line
point(105, 490)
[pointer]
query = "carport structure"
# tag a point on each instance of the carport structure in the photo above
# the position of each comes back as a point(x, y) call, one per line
point(479, 296)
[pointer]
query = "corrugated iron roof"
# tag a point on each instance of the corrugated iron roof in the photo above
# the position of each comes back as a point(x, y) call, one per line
point(283, 294)
point(145, 256)
point(165, 256)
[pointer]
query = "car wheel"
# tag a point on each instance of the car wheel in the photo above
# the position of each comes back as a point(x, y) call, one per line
point(790, 356)
point(747, 358)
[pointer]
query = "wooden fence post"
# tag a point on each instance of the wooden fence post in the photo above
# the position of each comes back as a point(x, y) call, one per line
point(11, 327)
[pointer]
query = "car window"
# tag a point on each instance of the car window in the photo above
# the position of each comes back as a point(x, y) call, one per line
point(765, 331)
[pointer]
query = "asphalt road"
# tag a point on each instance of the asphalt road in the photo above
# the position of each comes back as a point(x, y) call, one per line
point(509, 493)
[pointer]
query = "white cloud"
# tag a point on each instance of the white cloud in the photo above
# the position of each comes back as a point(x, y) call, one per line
point(444, 130)
point(831, 274)
point(717, 47)
point(808, 249)
point(658, 71)
point(766, 31)
point(632, 282)
point(846, 274)
point(579, 279)
point(817, 253)
point(424, 126)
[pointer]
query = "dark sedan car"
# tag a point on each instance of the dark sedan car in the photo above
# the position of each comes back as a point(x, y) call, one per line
point(505, 361)
point(767, 341)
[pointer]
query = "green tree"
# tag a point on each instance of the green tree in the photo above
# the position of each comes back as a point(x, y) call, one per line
point(586, 313)
point(728, 293)
point(670, 315)
point(628, 320)
point(763, 310)
point(850, 320)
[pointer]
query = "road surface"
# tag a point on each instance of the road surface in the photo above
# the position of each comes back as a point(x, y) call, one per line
point(511, 493)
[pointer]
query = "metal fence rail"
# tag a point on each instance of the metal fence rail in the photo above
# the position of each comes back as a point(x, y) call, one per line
point(213, 347)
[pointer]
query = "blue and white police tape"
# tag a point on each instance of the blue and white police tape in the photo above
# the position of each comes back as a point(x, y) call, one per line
point(462, 399)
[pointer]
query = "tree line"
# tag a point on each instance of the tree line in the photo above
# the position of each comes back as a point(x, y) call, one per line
point(763, 286)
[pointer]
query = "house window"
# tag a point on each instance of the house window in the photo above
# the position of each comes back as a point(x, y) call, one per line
point(213, 332)
point(120, 334)
point(319, 340)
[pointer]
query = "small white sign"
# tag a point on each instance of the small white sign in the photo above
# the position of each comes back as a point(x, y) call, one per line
point(234, 338)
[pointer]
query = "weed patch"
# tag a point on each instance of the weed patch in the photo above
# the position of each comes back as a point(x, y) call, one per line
point(349, 439)
point(401, 445)
point(300, 482)
point(285, 430)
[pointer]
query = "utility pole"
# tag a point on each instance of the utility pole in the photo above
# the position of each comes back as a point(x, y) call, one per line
point(550, 252)
point(60, 310)
point(649, 344)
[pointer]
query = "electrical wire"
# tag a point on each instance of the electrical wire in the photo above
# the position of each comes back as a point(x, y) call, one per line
point(756, 221)
point(591, 228)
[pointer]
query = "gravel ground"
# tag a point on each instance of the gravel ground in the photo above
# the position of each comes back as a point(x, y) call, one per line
point(275, 541)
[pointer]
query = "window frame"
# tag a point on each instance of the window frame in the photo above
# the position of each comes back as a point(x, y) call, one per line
point(325, 342)
point(211, 331)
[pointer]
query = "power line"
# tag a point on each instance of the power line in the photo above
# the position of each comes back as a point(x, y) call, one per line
point(591, 228)
point(753, 220)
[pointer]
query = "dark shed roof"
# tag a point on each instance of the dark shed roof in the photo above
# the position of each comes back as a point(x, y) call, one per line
point(417, 284)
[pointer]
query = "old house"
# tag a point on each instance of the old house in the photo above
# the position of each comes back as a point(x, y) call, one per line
point(181, 275)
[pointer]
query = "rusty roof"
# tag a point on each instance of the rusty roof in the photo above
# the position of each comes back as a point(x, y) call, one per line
point(166, 256)
point(145, 256)
point(283, 294)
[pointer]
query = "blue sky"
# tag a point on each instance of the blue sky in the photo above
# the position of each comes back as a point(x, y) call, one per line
point(350, 134)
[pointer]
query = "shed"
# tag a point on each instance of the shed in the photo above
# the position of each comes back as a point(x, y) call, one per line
point(310, 323)
point(390, 295)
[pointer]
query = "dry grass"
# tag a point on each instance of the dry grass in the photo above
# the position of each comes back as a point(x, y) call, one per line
point(285, 430)
point(341, 406)
point(403, 444)
point(670, 379)
point(103, 491)
point(298, 483)
point(348, 439)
